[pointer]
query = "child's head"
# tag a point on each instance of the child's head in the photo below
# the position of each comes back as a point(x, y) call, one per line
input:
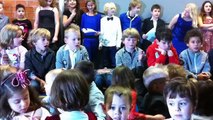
point(135, 6)
point(181, 98)
point(206, 9)
point(123, 76)
point(130, 38)
point(72, 36)
point(73, 4)
point(175, 70)
point(190, 11)
point(194, 39)
point(39, 38)
point(154, 79)
point(69, 91)
point(44, 3)
point(87, 69)
point(10, 36)
point(110, 8)
point(1, 7)
point(164, 38)
point(20, 11)
point(16, 96)
point(91, 5)
point(118, 102)
point(49, 78)
point(155, 11)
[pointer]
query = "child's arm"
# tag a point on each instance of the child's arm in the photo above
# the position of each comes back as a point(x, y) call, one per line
point(59, 59)
point(173, 22)
point(56, 15)
point(36, 18)
point(202, 25)
point(66, 20)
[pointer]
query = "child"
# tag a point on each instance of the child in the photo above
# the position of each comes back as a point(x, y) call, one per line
point(130, 55)
point(181, 98)
point(195, 61)
point(72, 52)
point(47, 16)
point(96, 98)
point(23, 23)
point(90, 26)
point(3, 19)
point(131, 19)
point(40, 59)
point(69, 93)
point(205, 21)
point(181, 23)
point(154, 79)
point(12, 53)
point(110, 38)
point(18, 100)
point(153, 23)
point(162, 50)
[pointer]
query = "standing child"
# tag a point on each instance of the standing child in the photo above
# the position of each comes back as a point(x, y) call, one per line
point(72, 52)
point(23, 23)
point(181, 23)
point(194, 60)
point(47, 16)
point(90, 26)
point(181, 98)
point(40, 59)
point(3, 19)
point(205, 21)
point(17, 99)
point(110, 38)
point(12, 52)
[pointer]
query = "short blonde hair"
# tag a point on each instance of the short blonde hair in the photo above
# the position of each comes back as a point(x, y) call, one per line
point(72, 27)
point(135, 3)
point(132, 32)
point(108, 6)
point(8, 33)
point(193, 13)
point(36, 34)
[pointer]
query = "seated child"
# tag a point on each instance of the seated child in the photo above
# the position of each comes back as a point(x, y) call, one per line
point(154, 80)
point(18, 100)
point(96, 97)
point(72, 52)
point(162, 50)
point(4, 19)
point(194, 60)
point(181, 98)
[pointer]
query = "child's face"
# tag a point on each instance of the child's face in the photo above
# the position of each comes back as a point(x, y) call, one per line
point(1, 9)
point(207, 7)
point(41, 44)
point(155, 13)
point(18, 39)
point(72, 39)
point(111, 11)
point(165, 45)
point(49, 2)
point(130, 42)
point(194, 44)
point(91, 6)
point(136, 9)
point(20, 101)
point(20, 13)
point(187, 12)
point(119, 109)
point(72, 3)
point(179, 108)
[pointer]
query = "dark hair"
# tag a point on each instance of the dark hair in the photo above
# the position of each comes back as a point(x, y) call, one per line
point(164, 33)
point(123, 76)
point(205, 98)
point(195, 32)
point(175, 70)
point(87, 68)
point(182, 87)
point(70, 91)
point(202, 11)
point(20, 6)
point(2, 3)
point(155, 6)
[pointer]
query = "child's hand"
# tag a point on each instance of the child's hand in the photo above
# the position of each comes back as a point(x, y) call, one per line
point(144, 36)
point(170, 53)
point(73, 13)
point(203, 76)
point(140, 55)
point(163, 52)
point(54, 39)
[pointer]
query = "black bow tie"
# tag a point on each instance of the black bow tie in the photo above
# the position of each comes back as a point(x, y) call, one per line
point(110, 18)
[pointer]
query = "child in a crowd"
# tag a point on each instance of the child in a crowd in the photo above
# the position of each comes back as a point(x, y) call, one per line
point(181, 23)
point(90, 26)
point(153, 23)
point(96, 97)
point(3, 18)
point(18, 101)
point(40, 59)
point(72, 52)
point(194, 60)
point(47, 16)
point(205, 21)
point(110, 38)
point(23, 23)
point(181, 98)
point(210, 54)
point(12, 52)
point(204, 110)
point(162, 50)
point(131, 18)
point(70, 94)
point(154, 79)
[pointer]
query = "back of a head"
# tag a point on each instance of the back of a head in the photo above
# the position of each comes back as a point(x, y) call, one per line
point(175, 70)
point(164, 33)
